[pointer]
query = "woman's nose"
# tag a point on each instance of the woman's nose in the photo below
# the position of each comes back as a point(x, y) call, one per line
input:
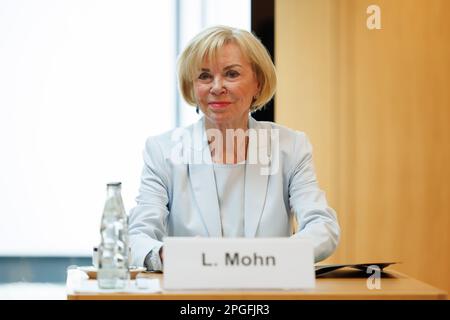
point(217, 86)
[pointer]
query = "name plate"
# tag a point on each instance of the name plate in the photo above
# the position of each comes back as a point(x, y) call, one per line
point(238, 263)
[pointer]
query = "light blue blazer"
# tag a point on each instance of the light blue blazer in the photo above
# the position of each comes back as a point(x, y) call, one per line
point(177, 195)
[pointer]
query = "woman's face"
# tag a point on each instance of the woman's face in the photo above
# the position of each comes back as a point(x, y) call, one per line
point(225, 89)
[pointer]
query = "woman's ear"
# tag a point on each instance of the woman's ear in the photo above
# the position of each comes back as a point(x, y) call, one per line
point(257, 94)
point(258, 89)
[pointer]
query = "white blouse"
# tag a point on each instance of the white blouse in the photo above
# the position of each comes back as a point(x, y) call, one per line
point(230, 186)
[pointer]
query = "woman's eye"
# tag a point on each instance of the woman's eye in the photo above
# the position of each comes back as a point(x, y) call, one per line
point(232, 74)
point(204, 76)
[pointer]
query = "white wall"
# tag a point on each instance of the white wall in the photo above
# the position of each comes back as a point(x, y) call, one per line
point(82, 84)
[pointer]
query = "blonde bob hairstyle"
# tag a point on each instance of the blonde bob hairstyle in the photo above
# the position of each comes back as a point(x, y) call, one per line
point(207, 43)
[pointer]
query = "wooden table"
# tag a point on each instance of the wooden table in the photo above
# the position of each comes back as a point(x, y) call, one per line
point(344, 284)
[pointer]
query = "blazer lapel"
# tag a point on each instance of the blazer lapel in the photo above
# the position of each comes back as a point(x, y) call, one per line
point(255, 178)
point(203, 183)
point(201, 176)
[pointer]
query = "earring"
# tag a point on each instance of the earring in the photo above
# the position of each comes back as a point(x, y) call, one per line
point(196, 110)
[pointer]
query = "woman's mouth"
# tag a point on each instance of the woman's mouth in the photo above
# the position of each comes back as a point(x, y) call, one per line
point(218, 104)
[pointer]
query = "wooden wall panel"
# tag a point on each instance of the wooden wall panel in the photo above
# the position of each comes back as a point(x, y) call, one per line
point(376, 106)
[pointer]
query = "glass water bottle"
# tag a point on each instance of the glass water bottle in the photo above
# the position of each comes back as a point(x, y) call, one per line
point(113, 268)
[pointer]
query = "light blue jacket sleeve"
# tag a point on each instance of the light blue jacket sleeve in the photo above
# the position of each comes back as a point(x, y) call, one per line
point(315, 219)
point(148, 219)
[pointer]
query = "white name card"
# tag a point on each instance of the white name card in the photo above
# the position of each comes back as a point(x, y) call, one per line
point(238, 263)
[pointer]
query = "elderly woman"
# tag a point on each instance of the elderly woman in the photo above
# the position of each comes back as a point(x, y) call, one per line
point(228, 175)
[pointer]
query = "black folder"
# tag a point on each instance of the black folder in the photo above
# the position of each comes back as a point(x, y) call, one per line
point(322, 269)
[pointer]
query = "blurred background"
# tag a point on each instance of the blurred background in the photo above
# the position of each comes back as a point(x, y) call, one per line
point(84, 83)
point(376, 105)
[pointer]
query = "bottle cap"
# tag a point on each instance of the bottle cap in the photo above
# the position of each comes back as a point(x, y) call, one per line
point(114, 184)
